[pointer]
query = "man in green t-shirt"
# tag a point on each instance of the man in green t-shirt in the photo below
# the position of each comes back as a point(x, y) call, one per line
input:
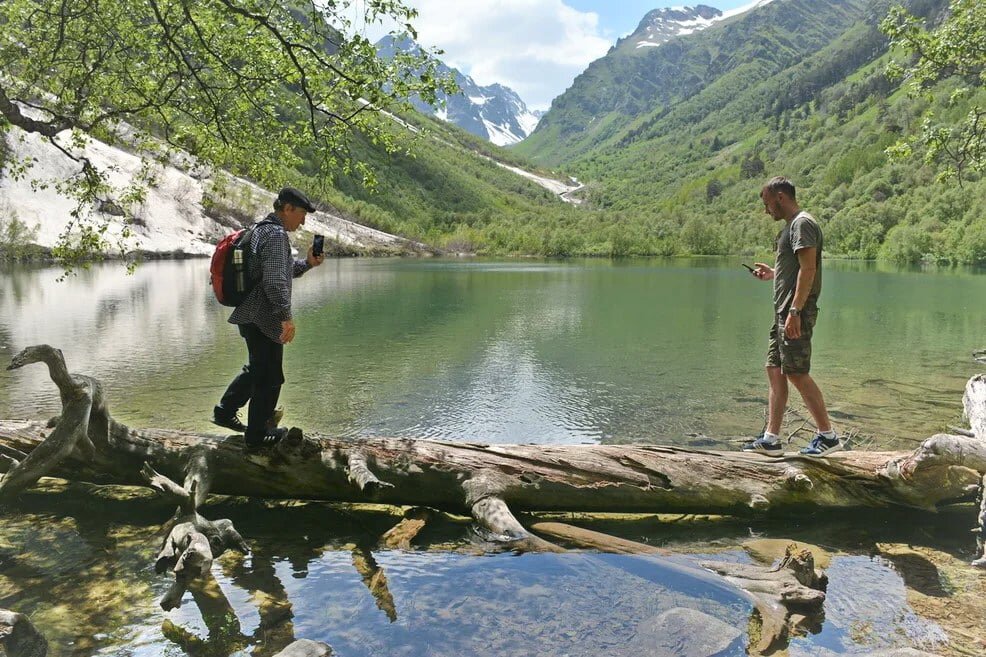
point(797, 276)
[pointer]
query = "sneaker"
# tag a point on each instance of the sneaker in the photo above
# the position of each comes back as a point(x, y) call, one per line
point(820, 446)
point(271, 438)
point(227, 420)
point(764, 446)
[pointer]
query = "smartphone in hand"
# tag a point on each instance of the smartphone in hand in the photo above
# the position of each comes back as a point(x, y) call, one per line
point(752, 271)
point(318, 245)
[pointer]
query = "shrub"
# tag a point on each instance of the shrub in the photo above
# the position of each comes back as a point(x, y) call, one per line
point(701, 237)
point(972, 247)
point(17, 239)
point(906, 244)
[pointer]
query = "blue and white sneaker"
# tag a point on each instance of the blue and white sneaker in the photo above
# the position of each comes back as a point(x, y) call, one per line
point(764, 446)
point(820, 446)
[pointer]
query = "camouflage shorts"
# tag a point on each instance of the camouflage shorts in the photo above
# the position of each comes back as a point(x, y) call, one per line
point(792, 356)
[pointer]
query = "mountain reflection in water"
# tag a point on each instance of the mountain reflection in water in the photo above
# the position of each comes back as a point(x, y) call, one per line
point(507, 352)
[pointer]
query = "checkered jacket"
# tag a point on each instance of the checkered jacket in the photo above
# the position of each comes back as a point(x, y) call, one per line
point(272, 265)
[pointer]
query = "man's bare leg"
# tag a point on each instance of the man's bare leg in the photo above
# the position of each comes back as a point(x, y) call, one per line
point(813, 399)
point(776, 399)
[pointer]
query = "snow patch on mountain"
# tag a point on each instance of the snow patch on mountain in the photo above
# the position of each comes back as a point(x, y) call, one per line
point(493, 112)
point(661, 25)
point(756, 4)
point(529, 121)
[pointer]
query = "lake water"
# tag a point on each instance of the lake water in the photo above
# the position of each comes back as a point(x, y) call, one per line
point(658, 351)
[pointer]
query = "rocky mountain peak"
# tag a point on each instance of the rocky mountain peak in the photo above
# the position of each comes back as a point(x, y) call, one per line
point(494, 112)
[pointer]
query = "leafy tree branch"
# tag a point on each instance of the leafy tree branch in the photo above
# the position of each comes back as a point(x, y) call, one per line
point(253, 86)
point(956, 47)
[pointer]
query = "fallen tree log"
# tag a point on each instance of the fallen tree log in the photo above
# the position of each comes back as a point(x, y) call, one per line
point(488, 482)
point(590, 478)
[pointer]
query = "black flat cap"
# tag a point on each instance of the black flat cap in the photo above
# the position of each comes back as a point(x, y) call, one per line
point(296, 198)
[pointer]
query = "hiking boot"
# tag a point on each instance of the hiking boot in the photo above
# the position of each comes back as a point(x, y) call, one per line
point(221, 417)
point(764, 446)
point(820, 446)
point(269, 439)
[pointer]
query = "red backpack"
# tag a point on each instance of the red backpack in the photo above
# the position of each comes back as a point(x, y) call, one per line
point(229, 271)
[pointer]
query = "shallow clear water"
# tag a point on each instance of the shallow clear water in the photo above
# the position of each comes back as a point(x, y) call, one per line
point(81, 567)
point(519, 351)
point(667, 351)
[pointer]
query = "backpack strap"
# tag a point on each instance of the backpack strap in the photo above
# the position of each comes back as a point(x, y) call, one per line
point(244, 242)
point(248, 233)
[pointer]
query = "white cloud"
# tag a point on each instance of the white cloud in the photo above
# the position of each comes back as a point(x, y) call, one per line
point(535, 47)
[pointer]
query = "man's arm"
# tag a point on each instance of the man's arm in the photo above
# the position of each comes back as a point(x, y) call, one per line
point(806, 277)
point(312, 260)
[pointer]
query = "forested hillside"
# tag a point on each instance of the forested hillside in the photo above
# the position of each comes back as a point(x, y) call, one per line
point(633, 84)
point(674, 162)
point(673, 143)
point(444, 188)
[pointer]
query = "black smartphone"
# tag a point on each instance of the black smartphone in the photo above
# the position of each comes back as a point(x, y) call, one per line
point(749, 267)
point(318, 245)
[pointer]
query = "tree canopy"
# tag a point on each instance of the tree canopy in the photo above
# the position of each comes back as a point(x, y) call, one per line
point(956, 47)
point(253, 86)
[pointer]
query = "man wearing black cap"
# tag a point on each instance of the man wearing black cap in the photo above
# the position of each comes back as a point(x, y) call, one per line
point(264, 320)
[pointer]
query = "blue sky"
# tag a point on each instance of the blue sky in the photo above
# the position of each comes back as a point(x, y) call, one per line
point(535, 47)
point(622, 16)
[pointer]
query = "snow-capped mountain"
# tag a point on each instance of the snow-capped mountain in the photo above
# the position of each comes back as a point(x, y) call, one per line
point(493, 112)
point(661, 25)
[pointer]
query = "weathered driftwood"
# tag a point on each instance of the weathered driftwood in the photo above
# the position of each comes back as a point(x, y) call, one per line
point(19, 638)
point(488, 482)
point(945, 450)
point(974, 405)
point(192, 541)
point(361, 475)
point(590, 478)
point(784, 597)
point(788, 597)
point(399, 536)
point(595, 540)
point(83, 416)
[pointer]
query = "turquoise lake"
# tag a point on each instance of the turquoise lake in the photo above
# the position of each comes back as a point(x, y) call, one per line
point(656, 351)
point(530, 351)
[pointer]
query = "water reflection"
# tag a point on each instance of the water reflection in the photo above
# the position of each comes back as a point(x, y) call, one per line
point(584, 351)
point(89, 586)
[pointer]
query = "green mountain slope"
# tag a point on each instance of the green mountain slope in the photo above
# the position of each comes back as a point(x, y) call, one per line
point(442, 189)
point(674, 163)
point(631, 82)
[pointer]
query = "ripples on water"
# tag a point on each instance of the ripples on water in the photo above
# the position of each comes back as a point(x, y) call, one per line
point(544, 352)
point(650, 351)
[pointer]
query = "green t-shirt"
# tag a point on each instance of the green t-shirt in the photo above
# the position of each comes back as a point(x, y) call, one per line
point(802, 232)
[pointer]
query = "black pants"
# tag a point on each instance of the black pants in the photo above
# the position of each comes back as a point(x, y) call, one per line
point(259, 382)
